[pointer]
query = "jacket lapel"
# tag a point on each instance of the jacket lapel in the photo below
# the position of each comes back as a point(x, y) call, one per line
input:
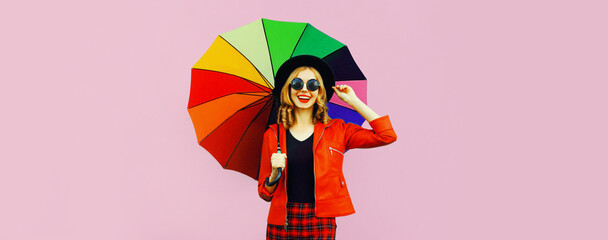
point(319, 127)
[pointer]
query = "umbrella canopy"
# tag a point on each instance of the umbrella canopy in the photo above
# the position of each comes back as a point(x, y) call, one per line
point(231, 97)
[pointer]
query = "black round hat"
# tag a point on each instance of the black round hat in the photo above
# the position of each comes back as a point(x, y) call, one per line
point(304, 60)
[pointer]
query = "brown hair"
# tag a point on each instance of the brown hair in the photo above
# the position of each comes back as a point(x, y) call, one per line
point(286, 116)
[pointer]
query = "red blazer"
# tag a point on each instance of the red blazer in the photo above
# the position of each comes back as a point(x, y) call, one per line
point(329, 142)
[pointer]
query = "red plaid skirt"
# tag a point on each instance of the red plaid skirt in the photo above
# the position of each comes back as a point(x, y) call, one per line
point(303, 224)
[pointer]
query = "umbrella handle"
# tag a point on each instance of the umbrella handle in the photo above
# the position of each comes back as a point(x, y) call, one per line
point(276, 179)
point(278, 151)
point(280, 170)
point(279, 174)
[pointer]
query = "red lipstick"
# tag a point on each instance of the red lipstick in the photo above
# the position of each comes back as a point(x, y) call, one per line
point(303, 100)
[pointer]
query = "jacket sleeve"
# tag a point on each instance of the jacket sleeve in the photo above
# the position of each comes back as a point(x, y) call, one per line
point(359, 137)
point(265, 166)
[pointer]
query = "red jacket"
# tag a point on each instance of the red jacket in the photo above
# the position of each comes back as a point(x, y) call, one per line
point(329, 143)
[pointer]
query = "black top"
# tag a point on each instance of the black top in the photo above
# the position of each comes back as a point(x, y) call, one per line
point(300, 179)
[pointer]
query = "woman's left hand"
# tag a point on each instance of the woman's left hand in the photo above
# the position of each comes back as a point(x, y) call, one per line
point(345, 93)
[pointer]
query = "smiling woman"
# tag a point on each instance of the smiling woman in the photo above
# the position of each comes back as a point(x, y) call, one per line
point(299, 98)
point(304, 203)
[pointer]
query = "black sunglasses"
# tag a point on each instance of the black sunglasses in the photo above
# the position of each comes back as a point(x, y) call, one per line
point(312, 84)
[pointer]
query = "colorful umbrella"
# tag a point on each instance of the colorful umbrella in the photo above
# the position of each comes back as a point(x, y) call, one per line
point(231, 90)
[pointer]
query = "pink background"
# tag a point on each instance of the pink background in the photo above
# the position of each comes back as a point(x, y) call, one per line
point(499, 108)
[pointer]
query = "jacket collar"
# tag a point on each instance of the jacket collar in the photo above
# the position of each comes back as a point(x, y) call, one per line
point(319, 130)
point(319, 126)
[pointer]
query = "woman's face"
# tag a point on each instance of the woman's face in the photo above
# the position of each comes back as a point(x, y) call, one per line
point(304, 98)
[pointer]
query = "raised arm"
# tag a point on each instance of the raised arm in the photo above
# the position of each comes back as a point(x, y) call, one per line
point(347, 94)
point(382, 132)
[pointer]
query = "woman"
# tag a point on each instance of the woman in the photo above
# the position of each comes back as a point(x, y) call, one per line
point(305, 201)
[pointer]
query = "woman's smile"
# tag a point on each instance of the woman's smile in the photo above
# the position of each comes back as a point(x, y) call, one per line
point(303, 98)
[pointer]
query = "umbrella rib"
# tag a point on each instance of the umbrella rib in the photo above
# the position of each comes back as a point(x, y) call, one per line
point(351, 80)
point(247, 80)
point(243, 93)
point(342, 106)
point(241, 138)
point(252, 105)
point(335, 51)
point(268, 47)
point(257, 102)
point(250, 93)
point(302, 34)
point(256, 69)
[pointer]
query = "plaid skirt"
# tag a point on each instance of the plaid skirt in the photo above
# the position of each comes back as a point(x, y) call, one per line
point(303, 224)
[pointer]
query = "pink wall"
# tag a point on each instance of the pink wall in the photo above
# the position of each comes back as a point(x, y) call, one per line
point(500, 109)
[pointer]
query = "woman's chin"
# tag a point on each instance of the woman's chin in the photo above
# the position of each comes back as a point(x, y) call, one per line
point(303, 105)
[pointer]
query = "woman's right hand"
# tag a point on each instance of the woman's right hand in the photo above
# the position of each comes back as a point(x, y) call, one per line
point(277, 160)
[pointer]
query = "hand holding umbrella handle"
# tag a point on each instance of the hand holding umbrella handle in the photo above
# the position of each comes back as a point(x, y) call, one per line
point(280, 169)
point(276, 179)
point(278, 176)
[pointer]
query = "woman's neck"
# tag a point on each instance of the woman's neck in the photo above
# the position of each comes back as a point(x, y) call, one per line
point(303, 116)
